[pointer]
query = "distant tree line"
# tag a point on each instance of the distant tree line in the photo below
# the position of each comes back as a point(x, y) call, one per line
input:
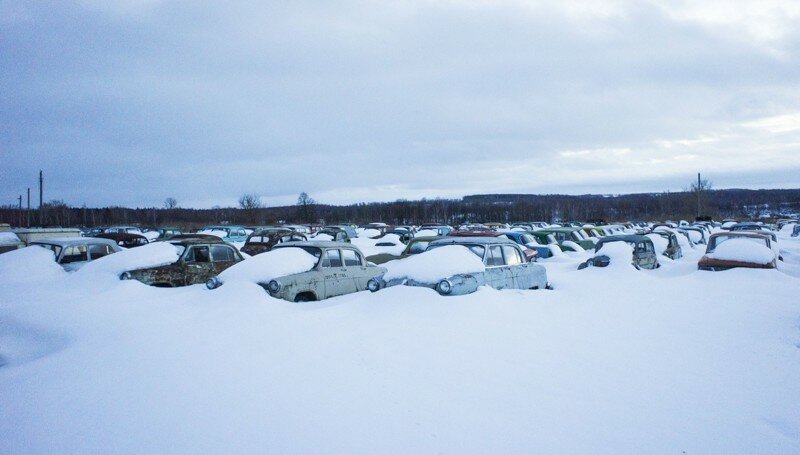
point(719, 204)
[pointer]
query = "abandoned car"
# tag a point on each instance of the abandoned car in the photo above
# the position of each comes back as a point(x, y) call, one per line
point(566, 236)
point(73, 252)
point(673, 248)
point(323, 270)
point(226, 233)
point(415, 246)
point(265, 239)
point(644, 253)
point(727, 250)
point(124, 239)
point(199, 260)
point(500, 264)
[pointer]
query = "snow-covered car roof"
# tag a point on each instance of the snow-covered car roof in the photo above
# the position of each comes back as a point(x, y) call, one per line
point(70, 241)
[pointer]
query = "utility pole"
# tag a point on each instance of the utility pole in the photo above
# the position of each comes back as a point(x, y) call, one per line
point(20, 210)
point(41, 198)
point(699, 188)
point(29, 207)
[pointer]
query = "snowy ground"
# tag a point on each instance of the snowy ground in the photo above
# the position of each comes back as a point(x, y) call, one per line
point(612, 361)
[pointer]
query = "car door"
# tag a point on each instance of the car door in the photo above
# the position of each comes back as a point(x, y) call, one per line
point(356, 269)
point(495, 274)
point(222, 257)
point(514, 275)
point(197, 265)
point(337, 280)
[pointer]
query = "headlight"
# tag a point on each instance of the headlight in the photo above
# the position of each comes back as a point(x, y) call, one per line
point(273, 286)
point(125, 276)
point(444, 287)
point(373, 285)
point(213, 283)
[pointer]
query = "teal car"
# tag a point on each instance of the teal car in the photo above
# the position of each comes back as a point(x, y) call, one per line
point(569, 234)
point(231, 233)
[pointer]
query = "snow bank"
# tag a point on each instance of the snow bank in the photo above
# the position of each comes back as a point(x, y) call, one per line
point(436, 264)
point(743, 250)
point(264, 267)
point(150, 255)
point(8, 237)
point(32, 263)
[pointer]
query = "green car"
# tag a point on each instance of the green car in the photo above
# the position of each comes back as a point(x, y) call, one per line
point(415, 246)
point(569, 234)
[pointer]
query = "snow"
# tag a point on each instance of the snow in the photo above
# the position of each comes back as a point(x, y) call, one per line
point(150, 235)
point(435, 264)
point(620, 254)
point(369, 246)
point(365, 232)
point(671, 360)
point(145, 256)
point(8, 237)
point(264, 267)
point(743, 250)
point(573, 245)
point(660, 243)
point(426, 233)
point(29, 264)
point(322, 237)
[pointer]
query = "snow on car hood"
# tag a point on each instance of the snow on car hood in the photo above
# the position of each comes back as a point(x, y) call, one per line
point(264, 267)
point(145, 256)
point(742, 250)
point(620, 254)
point(33, 263)
point(434, 265)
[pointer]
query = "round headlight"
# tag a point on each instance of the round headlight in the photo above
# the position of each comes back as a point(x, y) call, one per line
point(373, 285)
point(125, 276)
point(213, 283)
point(444, 287)
point(273, 286)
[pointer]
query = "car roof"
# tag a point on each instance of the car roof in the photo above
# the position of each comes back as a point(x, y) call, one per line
point(319, 244)
point(196, 241)
point(623, 238)
point(449, 240)
point(70, 241)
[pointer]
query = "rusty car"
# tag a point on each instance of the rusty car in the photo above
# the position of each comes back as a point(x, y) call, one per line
point(742, 249)
point(264, 240)
point(336, 268)
point(124, 239)
point(199, 260)
point(415, 246)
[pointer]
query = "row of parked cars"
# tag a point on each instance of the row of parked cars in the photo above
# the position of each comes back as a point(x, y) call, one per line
point(500, 256)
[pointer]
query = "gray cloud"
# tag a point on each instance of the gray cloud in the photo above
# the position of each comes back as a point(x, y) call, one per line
point(130, 102)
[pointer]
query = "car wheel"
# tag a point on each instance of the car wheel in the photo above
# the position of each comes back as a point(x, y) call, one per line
point(304, 297)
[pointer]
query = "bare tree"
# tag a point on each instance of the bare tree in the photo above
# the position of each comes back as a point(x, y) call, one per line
point(170, 203)
point(305, 207)
point(700, 192)
point(250, 203)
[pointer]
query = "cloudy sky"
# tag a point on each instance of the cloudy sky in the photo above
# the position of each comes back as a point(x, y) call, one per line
point(132, 101)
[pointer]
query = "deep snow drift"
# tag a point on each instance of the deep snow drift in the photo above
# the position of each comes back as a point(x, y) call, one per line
point(615, 360)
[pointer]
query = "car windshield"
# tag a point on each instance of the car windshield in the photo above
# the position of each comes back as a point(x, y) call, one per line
point(418, 247)
point(717, 241)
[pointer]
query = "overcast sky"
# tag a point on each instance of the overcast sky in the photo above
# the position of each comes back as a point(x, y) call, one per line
point(127, 102)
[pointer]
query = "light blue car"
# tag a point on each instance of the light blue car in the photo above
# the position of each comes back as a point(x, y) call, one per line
point(233, 233)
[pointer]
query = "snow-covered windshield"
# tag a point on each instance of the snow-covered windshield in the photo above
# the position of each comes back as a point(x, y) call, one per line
point(54, 248)
point(312, 250)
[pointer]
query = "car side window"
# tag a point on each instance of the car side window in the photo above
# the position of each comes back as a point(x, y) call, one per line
point(76, 253)
point(332, 259)
point(222, 253)
point(351, 258)
point(494, 257)
point(511, 255)
point(98, 251)
point(198, 254)
point(418, 247)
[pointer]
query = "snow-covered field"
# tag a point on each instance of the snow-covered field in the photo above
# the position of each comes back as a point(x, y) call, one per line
point(614, 360)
